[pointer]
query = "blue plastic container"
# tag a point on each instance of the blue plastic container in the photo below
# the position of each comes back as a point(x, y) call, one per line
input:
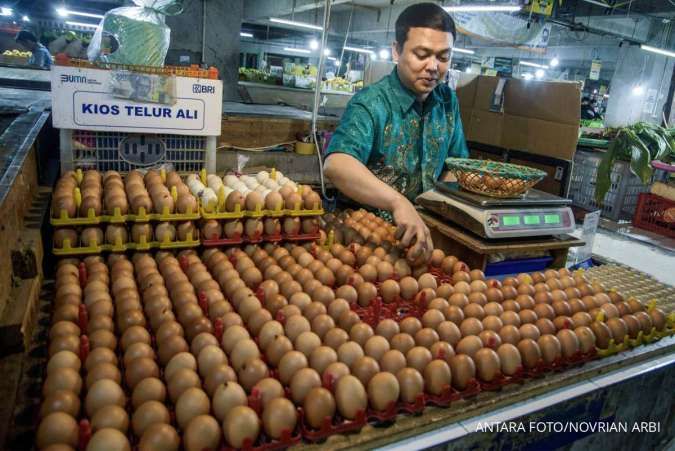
point(508, 267)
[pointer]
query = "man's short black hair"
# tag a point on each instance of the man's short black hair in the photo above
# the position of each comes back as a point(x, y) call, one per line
point(25, 35)
point(423, 15)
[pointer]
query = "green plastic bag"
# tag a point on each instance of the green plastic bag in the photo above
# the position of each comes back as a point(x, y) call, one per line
point(135, 35)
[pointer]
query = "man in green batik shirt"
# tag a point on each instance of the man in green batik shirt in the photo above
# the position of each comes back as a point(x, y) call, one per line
point(395, 135)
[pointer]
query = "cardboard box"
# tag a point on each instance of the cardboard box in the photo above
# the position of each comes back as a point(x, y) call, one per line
point(538, 117)
point(555, 179)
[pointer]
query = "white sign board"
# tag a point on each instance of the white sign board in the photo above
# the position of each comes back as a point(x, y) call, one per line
point(81, 99)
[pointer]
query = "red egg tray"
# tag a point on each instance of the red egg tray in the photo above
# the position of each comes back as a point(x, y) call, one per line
point(332, 426)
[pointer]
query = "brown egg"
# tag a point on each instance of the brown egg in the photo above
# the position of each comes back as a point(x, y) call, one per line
point(529, 331)
point(159, 436)
point(103, 371)
point(227, 396)
point(490, 339)
point(602, 334)
point(402, 342)
point(279, 416)
point(376, 346)
point(383, 390)
point(240, 424)
point(62, 379)
point(103, 393)
point(462, 370)
point(181, 380)
point(277, 348)
point(510, 317)
point(409, 287)
point(367, 292)
point(61, 401)
point(113, 417)
point(563, 322)
point(530, 352)
point(318, 405)
point(268, 389)
point(350, 396)
point(454, 314)
point(550, 346)
point(511, 306)
point(365, 368)
point(618, 329)
point(493, 323)
point(418, 358)
point(586, 338)
point(449, 332)
point(509, 358)
point(57, 428)
point(510, 334)
point(470, 326)
point(488, 364)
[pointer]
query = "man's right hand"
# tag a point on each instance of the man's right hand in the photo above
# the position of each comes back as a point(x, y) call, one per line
point(411, 229)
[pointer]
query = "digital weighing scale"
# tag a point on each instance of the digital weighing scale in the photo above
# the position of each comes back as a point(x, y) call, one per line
point(535, 213)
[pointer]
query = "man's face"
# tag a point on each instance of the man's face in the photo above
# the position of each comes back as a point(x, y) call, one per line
point(424, 59)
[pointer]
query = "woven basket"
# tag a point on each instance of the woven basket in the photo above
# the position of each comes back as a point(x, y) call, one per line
point(493, 178)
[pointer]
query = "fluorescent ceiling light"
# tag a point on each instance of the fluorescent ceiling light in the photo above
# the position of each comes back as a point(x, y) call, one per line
point(25, 18)
point(527, 76)
point(554, 62)
point(649, 48)
point(482, 8)
point(359, 50)
point(467, 51)
point(332, 58)
point(295, 24)
point(468, 70)
point(243, 34)
point(63, 12)
point(293, 49)
point(384, 54)
point(539, 73)
point(82, 24)
point(6, 11)
point(313, 44)
point(326, 52)
point(527, 63)
point(598, 3)
point(638, 90)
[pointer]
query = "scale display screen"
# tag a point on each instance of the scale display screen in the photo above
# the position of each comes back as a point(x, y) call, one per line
point(511, 220)
point(532, 219)
point(552, 219)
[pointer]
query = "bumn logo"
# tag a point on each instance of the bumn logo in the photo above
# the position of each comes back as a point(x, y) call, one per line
point(65, 78)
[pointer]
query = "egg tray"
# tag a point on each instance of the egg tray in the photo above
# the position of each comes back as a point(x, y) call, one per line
point(93, 249)
point(215, 242)
point(633, 283)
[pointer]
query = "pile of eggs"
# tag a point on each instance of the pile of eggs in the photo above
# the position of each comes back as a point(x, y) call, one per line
point(159, 375)
point(359, 227)
point(253, 193)
point(103, 194)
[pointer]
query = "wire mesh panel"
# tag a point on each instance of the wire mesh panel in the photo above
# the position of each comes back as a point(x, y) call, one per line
point(124, 152)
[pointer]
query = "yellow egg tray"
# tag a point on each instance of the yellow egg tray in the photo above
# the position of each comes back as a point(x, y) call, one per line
point(143, 245)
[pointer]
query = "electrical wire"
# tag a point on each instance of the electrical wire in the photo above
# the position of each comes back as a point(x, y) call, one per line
point(317, 95)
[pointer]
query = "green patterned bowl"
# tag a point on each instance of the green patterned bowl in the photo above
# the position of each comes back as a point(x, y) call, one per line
point(493, 178)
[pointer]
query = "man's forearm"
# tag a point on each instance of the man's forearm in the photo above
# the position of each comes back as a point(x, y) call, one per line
point(356, 181)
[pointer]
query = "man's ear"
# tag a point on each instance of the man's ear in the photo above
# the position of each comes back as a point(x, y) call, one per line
point(396, 54)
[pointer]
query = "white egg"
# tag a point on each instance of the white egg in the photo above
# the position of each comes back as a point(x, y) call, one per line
point(240, 186)
point(269, 183)
point(191, 177)
point(231, 179)
point(282, 180)
point(227, 191)
point(280, 175)
point(266, 192)
point(214, 182)
point(262, 176)
point(209, 200)
point(260, 188)
point(292, 185)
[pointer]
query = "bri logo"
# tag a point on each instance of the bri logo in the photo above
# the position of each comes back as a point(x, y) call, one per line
point(203, 89)
point(65, 78)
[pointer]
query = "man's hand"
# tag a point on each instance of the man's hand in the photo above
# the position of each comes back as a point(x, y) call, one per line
point(412, 230)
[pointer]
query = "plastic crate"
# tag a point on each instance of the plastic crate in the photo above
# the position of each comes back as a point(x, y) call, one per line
point(123, 152)
point(621, 199)
point(508, 267)
point(656, 214)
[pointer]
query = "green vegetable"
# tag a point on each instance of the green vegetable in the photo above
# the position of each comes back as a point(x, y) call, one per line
point(638, 144)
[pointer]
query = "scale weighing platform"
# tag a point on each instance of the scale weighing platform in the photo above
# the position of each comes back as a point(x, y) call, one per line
point(535, 213)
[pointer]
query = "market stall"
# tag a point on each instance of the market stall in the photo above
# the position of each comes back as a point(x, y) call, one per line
point(190, 281)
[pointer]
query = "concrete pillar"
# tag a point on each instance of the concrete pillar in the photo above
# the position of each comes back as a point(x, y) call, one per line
point(639, 87)
point(220, 24)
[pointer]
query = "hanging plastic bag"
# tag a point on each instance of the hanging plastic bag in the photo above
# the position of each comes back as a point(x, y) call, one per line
point(136, 35)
